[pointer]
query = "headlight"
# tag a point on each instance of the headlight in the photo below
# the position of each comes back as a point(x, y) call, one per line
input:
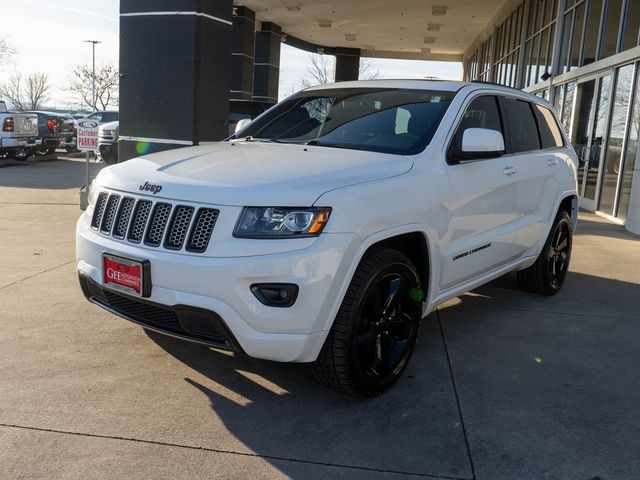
point(273, 222)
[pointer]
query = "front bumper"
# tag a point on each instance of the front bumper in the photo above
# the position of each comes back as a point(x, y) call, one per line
point(221, 288)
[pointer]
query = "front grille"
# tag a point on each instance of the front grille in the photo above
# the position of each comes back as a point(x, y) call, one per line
point(124, 215)
point(202, 229)
point(156, 224)
point(189, 322)
point(109, 214)
point(159, 219)
point(98, 211)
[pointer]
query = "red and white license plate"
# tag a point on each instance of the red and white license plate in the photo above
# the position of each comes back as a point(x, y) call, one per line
point(123, 274)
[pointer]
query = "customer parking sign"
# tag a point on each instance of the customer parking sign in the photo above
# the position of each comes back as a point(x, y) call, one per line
point(87, 135)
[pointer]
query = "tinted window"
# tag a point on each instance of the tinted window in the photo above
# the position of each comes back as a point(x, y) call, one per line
point(549, 130)
point(482, 112)
point(96, 116)
point(522, 126)
point(398, 121)
point(109, 117)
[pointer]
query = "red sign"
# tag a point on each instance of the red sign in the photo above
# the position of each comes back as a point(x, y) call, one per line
point(122, 275)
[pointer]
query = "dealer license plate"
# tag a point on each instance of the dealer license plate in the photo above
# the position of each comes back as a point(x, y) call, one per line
point(123, 274)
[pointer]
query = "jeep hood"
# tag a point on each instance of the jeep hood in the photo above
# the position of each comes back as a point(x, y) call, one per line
point(252, 173)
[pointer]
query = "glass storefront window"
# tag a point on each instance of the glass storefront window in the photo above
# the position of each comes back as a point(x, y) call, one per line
point(611, 28)
point(577, 37)
point(598, 138)
point(631, 153)
point(567, 108)
point(566, 41)
point(618, 124)
point(631, 25)
point(593, 31)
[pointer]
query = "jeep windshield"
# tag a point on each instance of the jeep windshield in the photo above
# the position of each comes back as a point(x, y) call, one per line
point(387, 120)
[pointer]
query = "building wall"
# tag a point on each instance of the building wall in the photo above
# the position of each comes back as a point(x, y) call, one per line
point(582, 56)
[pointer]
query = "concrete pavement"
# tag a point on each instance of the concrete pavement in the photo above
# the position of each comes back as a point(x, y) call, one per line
point(503, 385)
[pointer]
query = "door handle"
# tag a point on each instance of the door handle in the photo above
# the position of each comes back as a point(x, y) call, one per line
point(510, 170)
point(552, 162)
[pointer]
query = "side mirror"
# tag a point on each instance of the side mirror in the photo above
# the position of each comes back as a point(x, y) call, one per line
point(482, 143)
point(241, 124)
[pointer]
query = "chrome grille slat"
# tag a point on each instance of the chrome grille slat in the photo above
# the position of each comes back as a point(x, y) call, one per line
point(109, 214)
point(139, 223)
point(98, 211)
point(202, 230)
point(124, 215)
point(176, 227)
point(179, 227)
point(159, 220)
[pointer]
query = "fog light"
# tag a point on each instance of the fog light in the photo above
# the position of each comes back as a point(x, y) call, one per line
point(275, 294)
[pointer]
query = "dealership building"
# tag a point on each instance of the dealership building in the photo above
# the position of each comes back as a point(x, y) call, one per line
point(184, 62)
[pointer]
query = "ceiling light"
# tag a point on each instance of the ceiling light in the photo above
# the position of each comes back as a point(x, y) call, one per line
point(433, 27)
point(324, 23)
point(438, 11)
point(429, 39)
point(350, 37)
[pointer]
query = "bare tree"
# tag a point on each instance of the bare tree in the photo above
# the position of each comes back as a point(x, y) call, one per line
point(26, 93)
point(12, 92)
point(37, 89)
point(320, 70)
point(6, 50)
point(368, 69)
point(106, 85)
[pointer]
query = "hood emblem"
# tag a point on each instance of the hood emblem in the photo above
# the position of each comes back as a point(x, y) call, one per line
point(150, 187)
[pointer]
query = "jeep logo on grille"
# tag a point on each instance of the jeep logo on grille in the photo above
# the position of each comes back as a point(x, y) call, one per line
point(149, 187)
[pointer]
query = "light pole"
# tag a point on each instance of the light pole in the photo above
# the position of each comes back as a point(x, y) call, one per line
point(93, 96)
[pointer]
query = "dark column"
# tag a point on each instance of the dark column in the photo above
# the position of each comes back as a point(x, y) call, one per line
point(175, 69)
point(266, 69)
point(347, 64)
point(244, 29)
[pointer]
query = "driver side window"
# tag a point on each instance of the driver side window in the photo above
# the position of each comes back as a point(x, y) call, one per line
point(482, 112)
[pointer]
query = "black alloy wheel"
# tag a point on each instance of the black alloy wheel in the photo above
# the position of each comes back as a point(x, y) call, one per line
point(548, 274)
point(375, 331)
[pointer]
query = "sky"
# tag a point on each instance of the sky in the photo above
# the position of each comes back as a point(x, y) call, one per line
point(48, 36)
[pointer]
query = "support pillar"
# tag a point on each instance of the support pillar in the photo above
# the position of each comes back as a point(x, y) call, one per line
point(175, 69)
point(242, 55)
point(266, 69)
point(347, 64)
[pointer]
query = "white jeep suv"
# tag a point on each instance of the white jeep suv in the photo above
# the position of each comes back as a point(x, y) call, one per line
point(326, 229)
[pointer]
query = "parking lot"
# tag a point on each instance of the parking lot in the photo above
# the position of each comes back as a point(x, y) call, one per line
point(503, 384)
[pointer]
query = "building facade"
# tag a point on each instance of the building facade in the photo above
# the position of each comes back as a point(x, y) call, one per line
point(582, 56)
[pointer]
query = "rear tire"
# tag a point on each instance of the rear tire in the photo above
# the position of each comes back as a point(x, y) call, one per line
point(547, 275)
point(375, 331)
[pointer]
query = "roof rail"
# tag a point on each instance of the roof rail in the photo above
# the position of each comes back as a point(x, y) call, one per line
point(484, 82)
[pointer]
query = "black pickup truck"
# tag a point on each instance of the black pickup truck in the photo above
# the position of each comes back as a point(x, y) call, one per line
point(55, 130)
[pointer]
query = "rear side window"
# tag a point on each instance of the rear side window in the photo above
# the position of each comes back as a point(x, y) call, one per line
point(549, 131)
point(482, 112)
point(522, 125)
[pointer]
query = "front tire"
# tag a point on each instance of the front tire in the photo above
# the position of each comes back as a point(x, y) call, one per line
point(547, 275)
point(376, 328)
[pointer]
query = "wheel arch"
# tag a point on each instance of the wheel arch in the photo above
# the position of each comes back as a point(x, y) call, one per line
point(569, 203)
point(415, 245)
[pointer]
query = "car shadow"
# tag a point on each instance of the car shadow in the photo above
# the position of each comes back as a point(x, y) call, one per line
point(279, 411)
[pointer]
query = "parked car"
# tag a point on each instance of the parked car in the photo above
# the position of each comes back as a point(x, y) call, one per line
point(103, 116)
point(108, 142)
point(55, 131)
point(326, 229)
point(18, 133)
